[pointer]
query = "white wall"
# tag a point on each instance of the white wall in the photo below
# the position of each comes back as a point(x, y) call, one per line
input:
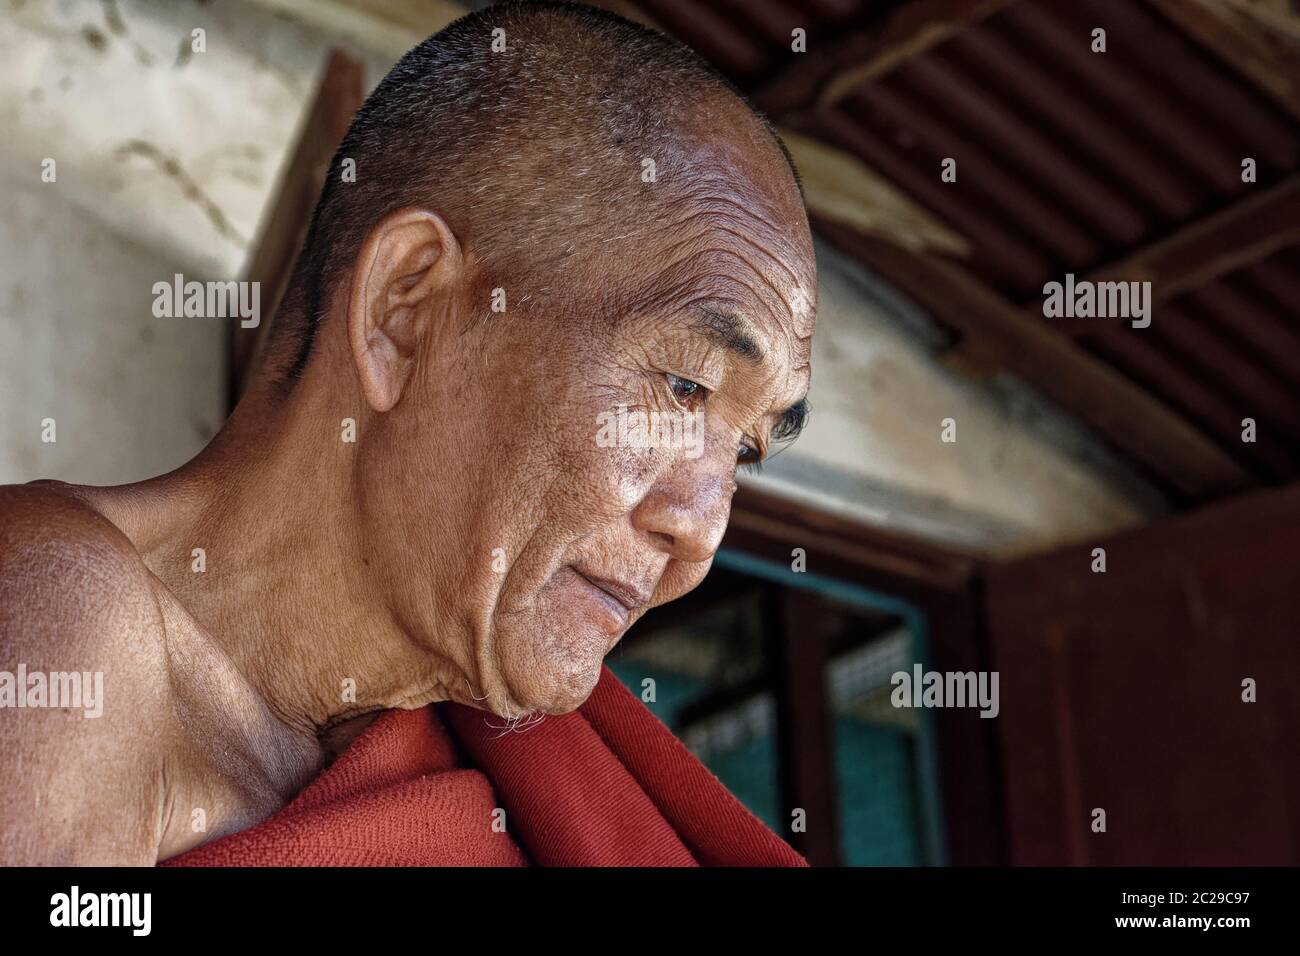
point(130, 395)
point(164, 161)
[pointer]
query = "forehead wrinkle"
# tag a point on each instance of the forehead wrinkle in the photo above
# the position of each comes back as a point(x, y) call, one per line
point(696, 276)
point(701, 202)
point(766, 280)
point(734, 224)
point(679, 281)
point(772, 247)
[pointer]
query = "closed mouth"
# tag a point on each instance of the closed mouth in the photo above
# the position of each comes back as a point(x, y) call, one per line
point(631, 598)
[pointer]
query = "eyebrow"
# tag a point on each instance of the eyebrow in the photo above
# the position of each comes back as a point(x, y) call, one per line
point(729, 331)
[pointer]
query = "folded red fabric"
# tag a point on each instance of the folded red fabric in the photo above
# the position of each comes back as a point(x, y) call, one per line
point(607, 785)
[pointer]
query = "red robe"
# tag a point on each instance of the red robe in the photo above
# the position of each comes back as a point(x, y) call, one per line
point(607, 785)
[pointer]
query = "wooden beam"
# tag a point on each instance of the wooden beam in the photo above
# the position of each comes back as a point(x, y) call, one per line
point(1279, 16)
point(1245, 233)
point(284, 225)
point(840, 187)
point(974, 807)
point(767, 526)
point(1261, 41)
point(912, 30)
point(1129, 418)
point(832, 69)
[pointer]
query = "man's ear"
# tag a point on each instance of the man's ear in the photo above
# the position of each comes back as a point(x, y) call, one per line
point(408, 260)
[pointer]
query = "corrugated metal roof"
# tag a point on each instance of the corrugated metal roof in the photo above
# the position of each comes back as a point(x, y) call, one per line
point(1067, 161)
point(1226, 351)
point(750, 41)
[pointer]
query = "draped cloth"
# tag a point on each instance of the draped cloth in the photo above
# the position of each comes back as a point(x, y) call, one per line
point(445, 785)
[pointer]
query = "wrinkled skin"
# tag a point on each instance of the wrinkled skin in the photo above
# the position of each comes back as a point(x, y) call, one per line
point(449, 553)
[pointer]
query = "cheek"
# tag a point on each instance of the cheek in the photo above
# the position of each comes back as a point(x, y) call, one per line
point(680, 578)
point(605, 470)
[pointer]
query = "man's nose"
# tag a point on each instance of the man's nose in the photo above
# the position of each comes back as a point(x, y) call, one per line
point(685, 512)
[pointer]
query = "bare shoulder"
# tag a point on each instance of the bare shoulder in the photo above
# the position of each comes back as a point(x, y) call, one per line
point(63, 564)
point(83, 685)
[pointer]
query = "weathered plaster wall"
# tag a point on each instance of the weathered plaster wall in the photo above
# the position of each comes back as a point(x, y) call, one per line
point(164, 159)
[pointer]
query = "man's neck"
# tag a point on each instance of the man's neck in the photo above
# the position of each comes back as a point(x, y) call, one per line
point(281, 582)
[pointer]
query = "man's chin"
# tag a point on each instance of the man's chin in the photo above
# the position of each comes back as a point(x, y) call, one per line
point(558, 687)
point(549, 659)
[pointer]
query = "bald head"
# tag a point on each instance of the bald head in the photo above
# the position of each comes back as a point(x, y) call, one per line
point(541, 133)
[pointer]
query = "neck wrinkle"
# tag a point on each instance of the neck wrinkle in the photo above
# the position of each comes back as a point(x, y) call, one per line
point(284, 596)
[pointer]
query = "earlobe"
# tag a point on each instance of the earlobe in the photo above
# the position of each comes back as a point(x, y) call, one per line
point(409, 263)
point(383, 372)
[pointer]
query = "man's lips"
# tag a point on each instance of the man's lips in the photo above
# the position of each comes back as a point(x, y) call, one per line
point(628, 596)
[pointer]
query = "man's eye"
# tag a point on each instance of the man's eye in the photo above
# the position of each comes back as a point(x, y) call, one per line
point(684, 389)
point(749, 457)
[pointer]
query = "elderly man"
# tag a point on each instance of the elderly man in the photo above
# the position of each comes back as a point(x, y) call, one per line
point(556, 215)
